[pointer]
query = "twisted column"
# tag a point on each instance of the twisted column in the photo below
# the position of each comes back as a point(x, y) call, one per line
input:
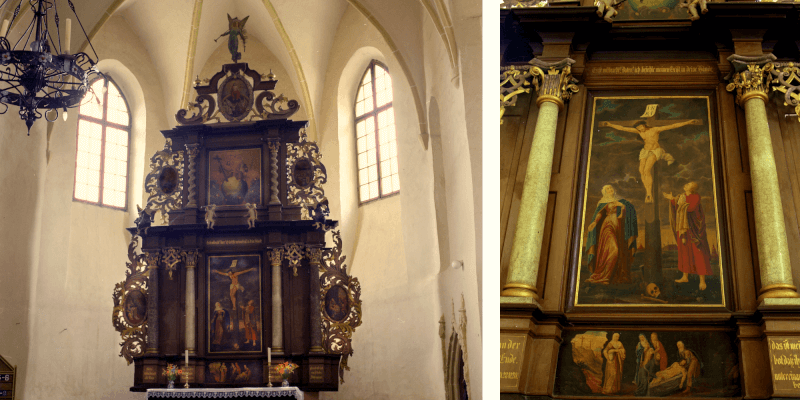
point(557, 86)
point(274, 146)
point(315, 258)
point(191, 151)
point(190, 259)
point(152, 301)
point(276, 259)
point(751, 81)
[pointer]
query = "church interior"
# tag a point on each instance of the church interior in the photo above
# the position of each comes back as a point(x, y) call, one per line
point(416, 249)
point(649, 199)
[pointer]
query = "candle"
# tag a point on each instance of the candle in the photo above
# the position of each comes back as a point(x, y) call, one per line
point(69, 36)
point(187, 357)
point(5, 28)
point(269, 355)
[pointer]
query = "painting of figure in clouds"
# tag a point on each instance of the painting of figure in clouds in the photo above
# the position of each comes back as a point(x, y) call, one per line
point(649, 216)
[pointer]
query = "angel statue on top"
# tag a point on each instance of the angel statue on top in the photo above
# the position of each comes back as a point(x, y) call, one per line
point(234, 32)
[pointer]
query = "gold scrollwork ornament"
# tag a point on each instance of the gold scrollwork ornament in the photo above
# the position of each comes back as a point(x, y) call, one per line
point(786, 79)
point(129, 315)
point(338, 332)
point(305, 176)
point(164, 183)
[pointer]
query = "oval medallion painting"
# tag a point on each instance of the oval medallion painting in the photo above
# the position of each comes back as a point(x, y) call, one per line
point(235, 98)
point(168, 180)
point(303, 173)
point(336, 303)
point(135, 306)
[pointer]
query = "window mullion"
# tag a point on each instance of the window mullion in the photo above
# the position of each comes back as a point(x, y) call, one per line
point(377, 128)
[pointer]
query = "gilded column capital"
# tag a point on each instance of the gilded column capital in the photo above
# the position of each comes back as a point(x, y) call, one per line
point(190, 258)
point(786, 79)
point(751, 77)
point(553, 82)
point(152, 258)
point(276, 256)
point(556, 82)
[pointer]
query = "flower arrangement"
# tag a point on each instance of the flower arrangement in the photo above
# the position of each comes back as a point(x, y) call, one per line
point(285, 369)
point(172, 372)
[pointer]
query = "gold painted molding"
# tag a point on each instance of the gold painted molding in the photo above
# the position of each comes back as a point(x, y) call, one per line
point(421, 115)
point(298, 69)
point(190, 53)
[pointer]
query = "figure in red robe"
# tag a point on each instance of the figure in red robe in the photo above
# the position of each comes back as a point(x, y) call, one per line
point(660, 352)
point(688, 223)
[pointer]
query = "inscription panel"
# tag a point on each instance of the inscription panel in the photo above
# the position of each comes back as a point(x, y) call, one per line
point(512, 350)
point(315, 373)
point(149, 373)
point(784, 361)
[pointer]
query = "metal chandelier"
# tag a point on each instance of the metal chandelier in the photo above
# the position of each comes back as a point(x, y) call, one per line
point(37, 74)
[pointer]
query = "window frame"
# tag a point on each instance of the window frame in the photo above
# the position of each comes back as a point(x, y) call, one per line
point(104, 123)
point(373, 114)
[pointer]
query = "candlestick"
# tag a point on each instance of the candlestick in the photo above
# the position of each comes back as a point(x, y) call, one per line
point(69, 35)
point(269, 363)
point(5, 28)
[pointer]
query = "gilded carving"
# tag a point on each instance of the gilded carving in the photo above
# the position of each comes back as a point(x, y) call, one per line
point(314, 255)
point(305, 176)
point(294, 253)
point(171, 258)
point(191, 151)
point(274, 145)
point(751, 77)
point(130, 305)
point(524, 4)
point(786, 79)
point(276, 256)
point(164, 184)
point(345, 299)
point(190, 258)
point(553, 81)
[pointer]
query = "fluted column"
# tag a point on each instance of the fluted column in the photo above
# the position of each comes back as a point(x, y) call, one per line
point(190, 259)
point(152, 302)
point(751, 81)
point(276, 259)
point(555, 85)
point(315, 257)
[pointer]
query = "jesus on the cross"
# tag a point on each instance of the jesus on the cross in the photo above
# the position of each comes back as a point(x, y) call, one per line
point(652, 151)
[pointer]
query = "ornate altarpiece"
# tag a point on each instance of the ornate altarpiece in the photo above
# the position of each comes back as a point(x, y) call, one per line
point(238, 265)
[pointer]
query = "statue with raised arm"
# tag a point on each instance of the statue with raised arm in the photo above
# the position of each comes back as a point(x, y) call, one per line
point(652, 151)
point(234, 32)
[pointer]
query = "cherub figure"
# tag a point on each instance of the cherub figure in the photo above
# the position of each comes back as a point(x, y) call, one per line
point(235, 30)
point(692, 8)
point(607, 7)
point(211, 215)
point(252, 215)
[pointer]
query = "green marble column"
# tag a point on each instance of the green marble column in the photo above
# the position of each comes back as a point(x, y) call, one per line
point(751, 81)
point(555, 85)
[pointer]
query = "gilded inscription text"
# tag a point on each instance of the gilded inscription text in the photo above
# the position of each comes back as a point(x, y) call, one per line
point(652, 69)
point(222, 242)
point(512, 350)
point(784, 358)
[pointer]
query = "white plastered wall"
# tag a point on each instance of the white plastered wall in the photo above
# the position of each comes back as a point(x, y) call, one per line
point(73, 346)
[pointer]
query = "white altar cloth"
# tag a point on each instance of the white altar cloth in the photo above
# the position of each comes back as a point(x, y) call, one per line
point(255, 392)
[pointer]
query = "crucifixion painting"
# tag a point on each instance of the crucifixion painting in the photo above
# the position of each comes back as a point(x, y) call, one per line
point(234, 303)
point(649, 228)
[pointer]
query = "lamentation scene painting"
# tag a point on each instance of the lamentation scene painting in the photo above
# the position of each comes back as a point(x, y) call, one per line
point(649, 227)
point(648, 363)
point(234, 309)
point(234, 177)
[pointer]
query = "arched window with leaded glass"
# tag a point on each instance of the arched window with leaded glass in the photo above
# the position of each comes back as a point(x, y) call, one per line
point(376, 137)
point(101, 162)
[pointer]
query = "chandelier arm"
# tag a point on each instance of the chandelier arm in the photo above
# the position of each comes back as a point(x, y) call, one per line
point(29, 28)
point(4, 111)
point(72, 6)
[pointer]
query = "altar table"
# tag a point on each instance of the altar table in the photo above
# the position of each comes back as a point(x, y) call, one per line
point(290, 392)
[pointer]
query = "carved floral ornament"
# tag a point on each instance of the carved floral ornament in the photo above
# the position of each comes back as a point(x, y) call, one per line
point(164, 184)
point(130, 304)
point(231, 94)
point(553, 81)
point(340, 304)
point(756, 79)
point(305, 176)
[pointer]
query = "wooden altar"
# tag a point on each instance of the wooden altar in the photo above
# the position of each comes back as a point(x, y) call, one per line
point(228, 259)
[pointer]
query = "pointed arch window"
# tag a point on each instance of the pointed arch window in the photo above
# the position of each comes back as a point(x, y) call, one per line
point(101, 162)
point(376, 136)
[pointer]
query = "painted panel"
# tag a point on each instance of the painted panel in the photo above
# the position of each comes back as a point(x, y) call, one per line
point(234, 372)
point(650, 231)
point(648, 363)
point(234, 304)
point(234, 176)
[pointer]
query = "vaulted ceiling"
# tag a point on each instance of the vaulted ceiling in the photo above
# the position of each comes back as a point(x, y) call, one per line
point(179, 35)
